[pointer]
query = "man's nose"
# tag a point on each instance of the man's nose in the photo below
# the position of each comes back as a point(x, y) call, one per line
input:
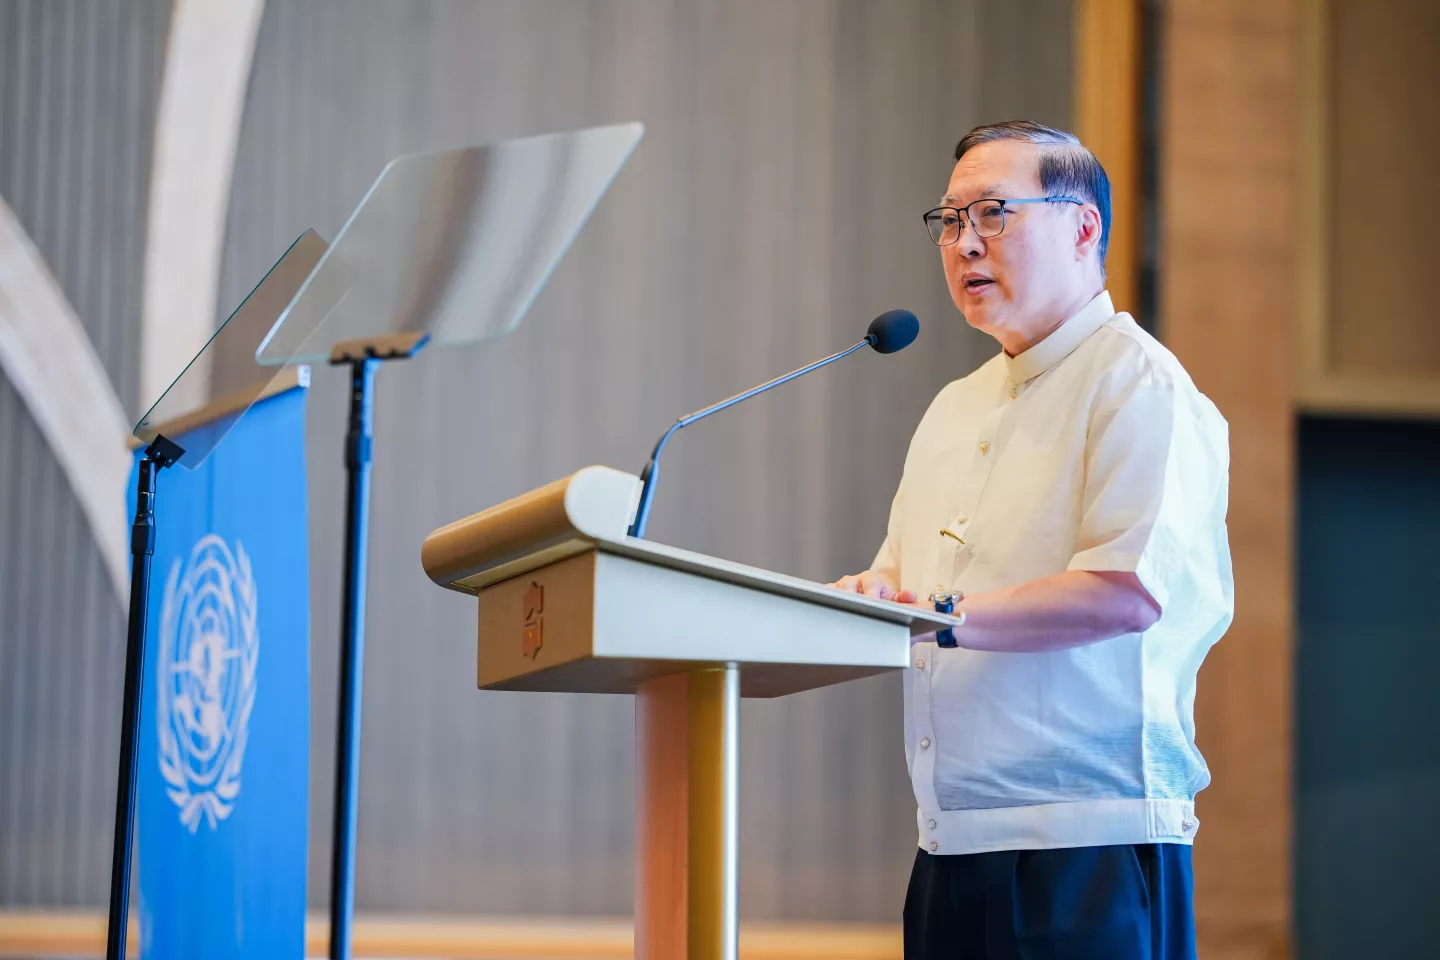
point(970, 244)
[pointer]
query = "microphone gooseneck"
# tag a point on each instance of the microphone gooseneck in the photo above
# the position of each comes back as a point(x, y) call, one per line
point(891, 331)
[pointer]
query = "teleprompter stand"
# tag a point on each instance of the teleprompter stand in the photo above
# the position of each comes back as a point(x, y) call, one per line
point(363, 357)
point(160, 454)
point(445, 249)
point(182, 411)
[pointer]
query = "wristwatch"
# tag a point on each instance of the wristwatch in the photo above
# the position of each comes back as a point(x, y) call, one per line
point(945, 601)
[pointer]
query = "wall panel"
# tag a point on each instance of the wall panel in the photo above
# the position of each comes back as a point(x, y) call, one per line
point(77, 89)
point(771, 211)
point(1228, 307)
point(1367, 341)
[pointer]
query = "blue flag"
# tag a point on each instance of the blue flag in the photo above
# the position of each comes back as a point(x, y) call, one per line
point(225, 720)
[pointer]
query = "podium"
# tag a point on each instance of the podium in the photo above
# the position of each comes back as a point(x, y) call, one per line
point(569, 603)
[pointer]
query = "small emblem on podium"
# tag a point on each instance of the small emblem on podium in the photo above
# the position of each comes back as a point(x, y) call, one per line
point(532, 634)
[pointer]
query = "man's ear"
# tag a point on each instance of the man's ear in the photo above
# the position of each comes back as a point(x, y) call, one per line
point(1087, 233)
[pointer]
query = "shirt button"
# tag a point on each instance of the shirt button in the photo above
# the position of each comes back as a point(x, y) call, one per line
point(920, 664)
point(961, 519)
point(931, 824)
point(924, 743)
point(984, 447)
point(934, 846)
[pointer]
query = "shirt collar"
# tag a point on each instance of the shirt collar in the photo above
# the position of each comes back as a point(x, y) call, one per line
point(1062, 341)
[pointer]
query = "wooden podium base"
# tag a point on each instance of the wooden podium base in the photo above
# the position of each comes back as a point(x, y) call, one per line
point(687, 830)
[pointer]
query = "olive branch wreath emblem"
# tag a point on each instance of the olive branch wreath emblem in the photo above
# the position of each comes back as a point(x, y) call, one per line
point(223, 584)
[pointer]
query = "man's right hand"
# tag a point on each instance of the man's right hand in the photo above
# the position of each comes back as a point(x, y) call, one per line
point(872, 583)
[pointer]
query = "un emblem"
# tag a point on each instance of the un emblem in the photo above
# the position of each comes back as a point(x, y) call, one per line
point(205, 675)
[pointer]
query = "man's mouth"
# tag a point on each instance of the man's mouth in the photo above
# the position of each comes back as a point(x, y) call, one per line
point(977, 283)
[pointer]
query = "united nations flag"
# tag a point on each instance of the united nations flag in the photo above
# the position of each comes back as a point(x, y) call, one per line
point(224, 741)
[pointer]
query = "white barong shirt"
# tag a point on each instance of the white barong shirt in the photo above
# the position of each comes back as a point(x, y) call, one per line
point(1092, 450)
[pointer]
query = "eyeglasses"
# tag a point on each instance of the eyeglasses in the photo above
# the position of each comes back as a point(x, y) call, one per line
point(986, 216)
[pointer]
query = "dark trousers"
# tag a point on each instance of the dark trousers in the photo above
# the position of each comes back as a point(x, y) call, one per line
point(1079, 903)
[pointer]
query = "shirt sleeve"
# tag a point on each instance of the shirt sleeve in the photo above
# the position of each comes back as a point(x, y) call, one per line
point(887, 561)
point(1156, 484)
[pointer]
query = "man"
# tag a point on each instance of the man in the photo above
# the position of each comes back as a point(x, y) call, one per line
point(1073, 491)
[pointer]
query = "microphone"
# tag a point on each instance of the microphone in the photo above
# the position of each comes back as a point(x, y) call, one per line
point(892, 331)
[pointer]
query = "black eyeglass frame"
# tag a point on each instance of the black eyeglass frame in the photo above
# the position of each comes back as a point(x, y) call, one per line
point(976, 227)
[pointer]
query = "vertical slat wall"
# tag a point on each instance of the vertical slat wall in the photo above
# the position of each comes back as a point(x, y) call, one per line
point(771, 211)
point(78, 86)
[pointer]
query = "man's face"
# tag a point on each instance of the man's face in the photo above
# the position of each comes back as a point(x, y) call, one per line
point(1010, 285)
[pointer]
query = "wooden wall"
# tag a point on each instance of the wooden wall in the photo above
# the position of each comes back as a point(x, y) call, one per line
point(1228, 313)
point(1368, 343)
point(1108, 87)
point(1384, 143)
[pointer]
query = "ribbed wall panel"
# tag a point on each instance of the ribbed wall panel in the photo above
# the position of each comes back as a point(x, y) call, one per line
point(772, 209)
point(78, 86)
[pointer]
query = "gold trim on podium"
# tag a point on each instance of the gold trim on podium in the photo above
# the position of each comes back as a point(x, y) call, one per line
point(467, 551)
point(686, 833)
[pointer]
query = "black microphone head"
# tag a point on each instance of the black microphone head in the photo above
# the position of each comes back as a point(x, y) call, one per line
point(893, 330)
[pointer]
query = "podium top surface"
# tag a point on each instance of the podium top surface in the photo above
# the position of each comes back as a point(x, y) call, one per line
point(591, 510)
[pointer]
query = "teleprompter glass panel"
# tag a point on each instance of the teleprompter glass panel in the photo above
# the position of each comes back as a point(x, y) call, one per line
point(452, 245)
point(215, 389)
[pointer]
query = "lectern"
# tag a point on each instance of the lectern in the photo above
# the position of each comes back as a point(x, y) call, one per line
point(568, 602)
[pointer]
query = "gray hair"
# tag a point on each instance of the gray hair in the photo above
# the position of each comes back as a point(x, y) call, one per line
point(1067, 167)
